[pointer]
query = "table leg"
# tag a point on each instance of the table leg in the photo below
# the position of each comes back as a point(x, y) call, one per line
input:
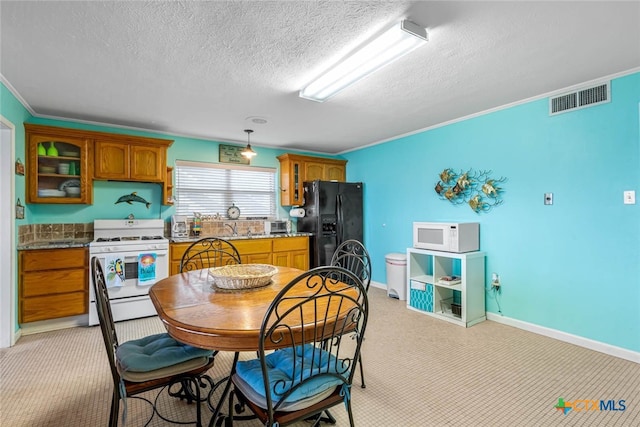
point(216, 412)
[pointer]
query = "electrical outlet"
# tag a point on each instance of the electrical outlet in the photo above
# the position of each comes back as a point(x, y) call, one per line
point(629, 197)
point(495, 282)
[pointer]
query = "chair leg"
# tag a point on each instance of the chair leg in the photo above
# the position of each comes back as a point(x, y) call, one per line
point(115, 409)
point(229, 421)
point(361, 372)
point(350, 414)
point(196, 382)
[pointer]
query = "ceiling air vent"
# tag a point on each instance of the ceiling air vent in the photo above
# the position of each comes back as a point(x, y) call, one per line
point(580, 99)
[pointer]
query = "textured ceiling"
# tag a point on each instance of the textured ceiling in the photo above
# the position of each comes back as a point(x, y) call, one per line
point(203, 69)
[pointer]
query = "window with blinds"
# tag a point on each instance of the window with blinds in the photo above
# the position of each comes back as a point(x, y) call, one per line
point(210, 188)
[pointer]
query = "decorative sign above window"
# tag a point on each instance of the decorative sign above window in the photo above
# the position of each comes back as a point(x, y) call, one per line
point(477, 189)
point(231, 154)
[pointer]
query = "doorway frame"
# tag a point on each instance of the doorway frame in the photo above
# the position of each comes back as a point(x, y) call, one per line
point(7, 230)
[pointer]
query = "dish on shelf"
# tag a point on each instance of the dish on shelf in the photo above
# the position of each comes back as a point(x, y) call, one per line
point(69, 183)
point(51, 193)
point(46, 169)
point(70, 153)
point(72, 191)
point(63, 168)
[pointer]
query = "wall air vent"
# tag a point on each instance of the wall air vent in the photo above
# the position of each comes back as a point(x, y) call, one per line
point(580, 98)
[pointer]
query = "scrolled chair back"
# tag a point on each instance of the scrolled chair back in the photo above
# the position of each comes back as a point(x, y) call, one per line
point(353, 256)
point(209, 252)
point(310, 315)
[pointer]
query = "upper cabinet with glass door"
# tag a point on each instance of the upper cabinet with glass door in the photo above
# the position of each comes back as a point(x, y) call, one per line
point(295, 169)
point(59, 165)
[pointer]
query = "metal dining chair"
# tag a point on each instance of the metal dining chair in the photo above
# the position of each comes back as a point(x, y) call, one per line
point(152, 362)
point(352, 255)
point(209, 252)
point(312, 370)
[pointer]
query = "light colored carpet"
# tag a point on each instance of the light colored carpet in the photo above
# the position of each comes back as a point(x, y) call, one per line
point(419, 371)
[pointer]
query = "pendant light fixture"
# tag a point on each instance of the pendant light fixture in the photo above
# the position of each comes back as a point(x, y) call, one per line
point(248, 151)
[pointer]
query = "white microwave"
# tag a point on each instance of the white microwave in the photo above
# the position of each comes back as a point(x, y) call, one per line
point(447, 236)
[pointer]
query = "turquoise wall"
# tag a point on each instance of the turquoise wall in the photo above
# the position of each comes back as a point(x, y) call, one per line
point(14, 111)
point(573, 266)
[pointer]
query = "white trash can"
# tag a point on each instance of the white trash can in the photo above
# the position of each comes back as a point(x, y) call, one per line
point(397, 275)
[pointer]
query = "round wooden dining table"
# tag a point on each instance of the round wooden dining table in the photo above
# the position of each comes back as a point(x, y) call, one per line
point(196, 312)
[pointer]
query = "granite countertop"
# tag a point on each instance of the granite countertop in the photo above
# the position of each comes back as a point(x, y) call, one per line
point(55, 244)
point(80, 243)
point(239, 237)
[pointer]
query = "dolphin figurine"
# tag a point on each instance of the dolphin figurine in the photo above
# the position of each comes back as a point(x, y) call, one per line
point(128, 198)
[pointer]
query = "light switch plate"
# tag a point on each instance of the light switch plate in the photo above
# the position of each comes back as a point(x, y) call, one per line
point(548, 198)
point(630, 197)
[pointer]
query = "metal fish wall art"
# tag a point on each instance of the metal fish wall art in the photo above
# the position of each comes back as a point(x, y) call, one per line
point(476, 189)
point(133, 197)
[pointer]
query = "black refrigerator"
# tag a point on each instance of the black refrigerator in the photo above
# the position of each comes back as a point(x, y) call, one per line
point(333, 213)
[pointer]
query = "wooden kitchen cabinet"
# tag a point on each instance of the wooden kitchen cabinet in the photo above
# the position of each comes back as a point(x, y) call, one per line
point(167, 188)
point(291, 252)
point(131, 160)
point(283, 251)
point(325, 171)
point(296, 169)
point(90, 155)
point(58, 160)
point(53, 283)
point(176, 250)
point(254, 251)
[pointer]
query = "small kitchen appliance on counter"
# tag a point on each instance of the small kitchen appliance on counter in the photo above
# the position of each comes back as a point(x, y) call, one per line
point(179, 226)
point(277, 227)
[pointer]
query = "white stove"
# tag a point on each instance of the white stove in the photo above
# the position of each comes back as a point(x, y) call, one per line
point(134, 255)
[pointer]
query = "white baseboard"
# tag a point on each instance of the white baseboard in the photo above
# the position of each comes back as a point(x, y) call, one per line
point(601, 347)
point(53, 325)
point(378, 285)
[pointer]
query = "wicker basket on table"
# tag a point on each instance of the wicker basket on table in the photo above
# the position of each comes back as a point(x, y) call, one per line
point(242, 276)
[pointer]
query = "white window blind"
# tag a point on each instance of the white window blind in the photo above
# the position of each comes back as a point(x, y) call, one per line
point(210, 188)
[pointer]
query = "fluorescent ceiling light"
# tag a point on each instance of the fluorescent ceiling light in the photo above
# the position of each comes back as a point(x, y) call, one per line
point(397, 41)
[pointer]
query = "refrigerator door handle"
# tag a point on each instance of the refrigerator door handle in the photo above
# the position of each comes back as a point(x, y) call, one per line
point(340, 220)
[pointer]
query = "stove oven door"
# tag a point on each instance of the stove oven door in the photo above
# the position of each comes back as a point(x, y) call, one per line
point(131, 300)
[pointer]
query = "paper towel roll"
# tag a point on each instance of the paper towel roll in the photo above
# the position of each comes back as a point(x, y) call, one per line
point(296, 213)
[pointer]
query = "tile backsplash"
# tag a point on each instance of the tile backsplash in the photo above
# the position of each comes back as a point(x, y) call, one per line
point(211, 227)
point(32, 233)
point(42, 232)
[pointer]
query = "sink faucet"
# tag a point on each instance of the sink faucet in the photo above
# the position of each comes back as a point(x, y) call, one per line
point(234, 228)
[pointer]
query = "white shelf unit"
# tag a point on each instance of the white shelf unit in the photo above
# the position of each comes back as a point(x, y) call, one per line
point(426, 295)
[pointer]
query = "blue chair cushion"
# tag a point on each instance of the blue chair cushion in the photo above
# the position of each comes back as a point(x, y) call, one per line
point(155, 352)
point(285, 369)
